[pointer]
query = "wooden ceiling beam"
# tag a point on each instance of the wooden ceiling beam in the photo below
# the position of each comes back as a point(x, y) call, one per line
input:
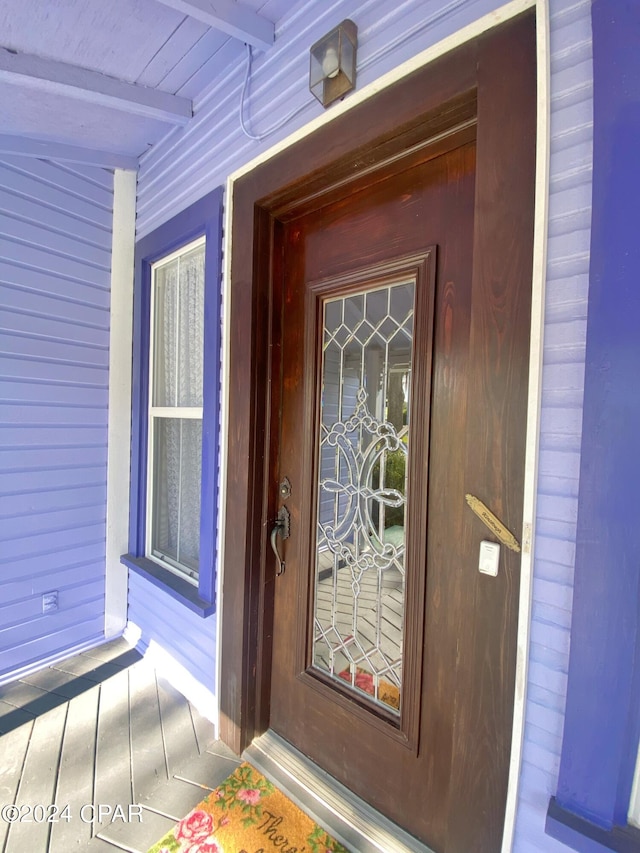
point(71, 81)
point(229, 17)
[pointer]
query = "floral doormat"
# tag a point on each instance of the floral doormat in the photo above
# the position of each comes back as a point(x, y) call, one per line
point(247, 814)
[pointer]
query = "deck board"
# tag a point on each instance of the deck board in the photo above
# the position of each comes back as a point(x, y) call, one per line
point(11, 717)
point(76, 775)
point(138, 835)
point(148, 758)
point(99, 845)
point(174, 799)
point(29, 698)
point(58, 682)
point(103, 728)
point(203, 728)
point(177, 727)
point(12, 757)
point(89, 668)
point(113, 749)
point(109, 652)
point(208, 772)
point(38, 780)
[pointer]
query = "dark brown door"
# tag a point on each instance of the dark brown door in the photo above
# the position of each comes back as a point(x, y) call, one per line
point(382, 560)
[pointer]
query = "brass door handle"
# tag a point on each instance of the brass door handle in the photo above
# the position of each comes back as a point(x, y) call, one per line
point(493, 523)
point(282, 528)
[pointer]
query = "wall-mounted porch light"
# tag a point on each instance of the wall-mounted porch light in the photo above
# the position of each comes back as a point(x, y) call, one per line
point(333, 63)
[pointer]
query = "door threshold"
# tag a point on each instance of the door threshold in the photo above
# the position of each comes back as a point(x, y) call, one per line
point(344, 815)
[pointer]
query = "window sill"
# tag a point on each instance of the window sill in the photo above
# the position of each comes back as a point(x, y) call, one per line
point(176, 587)
point(586, 837)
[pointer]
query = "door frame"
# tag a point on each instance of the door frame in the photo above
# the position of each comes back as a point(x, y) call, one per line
point(253, 194)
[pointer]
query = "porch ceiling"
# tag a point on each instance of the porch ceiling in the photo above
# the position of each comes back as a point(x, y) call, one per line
point(115, 77)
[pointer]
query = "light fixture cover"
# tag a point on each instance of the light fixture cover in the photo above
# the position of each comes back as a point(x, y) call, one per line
point(332, 71)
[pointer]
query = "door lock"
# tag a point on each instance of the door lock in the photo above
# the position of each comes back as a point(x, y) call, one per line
point(285, 489)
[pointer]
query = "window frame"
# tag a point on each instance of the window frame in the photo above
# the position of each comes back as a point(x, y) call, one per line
point(156, 413)
point(201, 219)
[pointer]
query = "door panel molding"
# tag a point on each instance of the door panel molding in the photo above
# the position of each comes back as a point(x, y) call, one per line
point(420, 268)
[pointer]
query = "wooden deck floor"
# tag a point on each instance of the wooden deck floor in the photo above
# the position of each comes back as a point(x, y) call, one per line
point(99, 731)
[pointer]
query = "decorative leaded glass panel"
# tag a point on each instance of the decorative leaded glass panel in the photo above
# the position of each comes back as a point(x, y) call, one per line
point(361, 511)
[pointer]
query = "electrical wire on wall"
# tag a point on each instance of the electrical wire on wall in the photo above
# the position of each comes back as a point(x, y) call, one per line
point(245, 87)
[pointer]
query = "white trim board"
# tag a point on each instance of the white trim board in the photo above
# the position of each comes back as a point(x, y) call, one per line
point(534, 405)
point(119, 429)
point(493, 19)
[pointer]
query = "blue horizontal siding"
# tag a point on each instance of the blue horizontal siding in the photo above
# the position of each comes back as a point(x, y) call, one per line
point(50, 196)
point(55, 258)
point(28, 210)
point(66, 576)
point(186, 637)
point(569, 236)
point(192, 160)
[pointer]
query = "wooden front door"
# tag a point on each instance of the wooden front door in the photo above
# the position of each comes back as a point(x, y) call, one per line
point(390, 299)
point(376, 360)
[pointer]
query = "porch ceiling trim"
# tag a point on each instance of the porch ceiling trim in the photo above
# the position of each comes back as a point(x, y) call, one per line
point(54, 77)
point(44, 150)
point(229, 18)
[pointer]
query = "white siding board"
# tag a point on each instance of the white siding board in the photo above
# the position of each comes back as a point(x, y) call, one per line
point(192, 160)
